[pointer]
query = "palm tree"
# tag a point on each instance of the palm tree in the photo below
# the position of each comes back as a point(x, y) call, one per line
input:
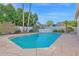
point(29, 17)
point(22, 17)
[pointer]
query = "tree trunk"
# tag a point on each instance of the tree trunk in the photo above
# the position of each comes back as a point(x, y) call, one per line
point(66, 25)
point(29, 18)
point(22, 17)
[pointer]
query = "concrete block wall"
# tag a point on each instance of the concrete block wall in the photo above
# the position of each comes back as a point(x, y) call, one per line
point(7, 27)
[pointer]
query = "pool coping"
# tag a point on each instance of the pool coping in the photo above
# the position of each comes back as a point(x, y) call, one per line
point(59, 47)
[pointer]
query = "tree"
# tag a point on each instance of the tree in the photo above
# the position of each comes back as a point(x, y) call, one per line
point(71, 23)
point(35, 18)
point(9, 12)
point(18, 20)
point(17, 16)
point(49, 23)
point(74, 23)
point(2, 13)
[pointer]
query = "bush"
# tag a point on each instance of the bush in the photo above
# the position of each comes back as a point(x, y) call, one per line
point(70, 29)
point(59, 30)
point(31, 30)
point(17, 31)
point(55, 30)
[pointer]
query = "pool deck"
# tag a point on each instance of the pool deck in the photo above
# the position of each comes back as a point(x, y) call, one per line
point(66, 45)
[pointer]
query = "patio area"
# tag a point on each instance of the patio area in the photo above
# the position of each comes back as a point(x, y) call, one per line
point(66, 45)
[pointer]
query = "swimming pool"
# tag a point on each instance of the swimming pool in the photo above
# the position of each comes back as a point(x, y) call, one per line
point(40, 40)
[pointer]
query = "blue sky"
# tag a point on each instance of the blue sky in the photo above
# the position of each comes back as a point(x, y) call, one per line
point(55, 12)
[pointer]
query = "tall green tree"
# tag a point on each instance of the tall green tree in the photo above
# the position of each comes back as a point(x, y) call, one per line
point(49, 23)
point(18, 20)
point(2, 13)
point(9, 13)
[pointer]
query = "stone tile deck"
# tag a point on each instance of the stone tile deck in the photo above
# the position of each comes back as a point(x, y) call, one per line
point(66, 45)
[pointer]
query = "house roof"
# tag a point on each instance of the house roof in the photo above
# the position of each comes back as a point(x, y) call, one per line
point(61, 24)
point(77, 12)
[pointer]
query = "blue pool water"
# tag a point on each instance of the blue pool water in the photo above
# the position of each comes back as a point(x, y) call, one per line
point(40, 40)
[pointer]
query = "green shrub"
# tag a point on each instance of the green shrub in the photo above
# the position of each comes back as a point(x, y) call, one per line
point(31, 30)
point(70, 29)
point(55, 30)
point(17, 31)
point(59, 30)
